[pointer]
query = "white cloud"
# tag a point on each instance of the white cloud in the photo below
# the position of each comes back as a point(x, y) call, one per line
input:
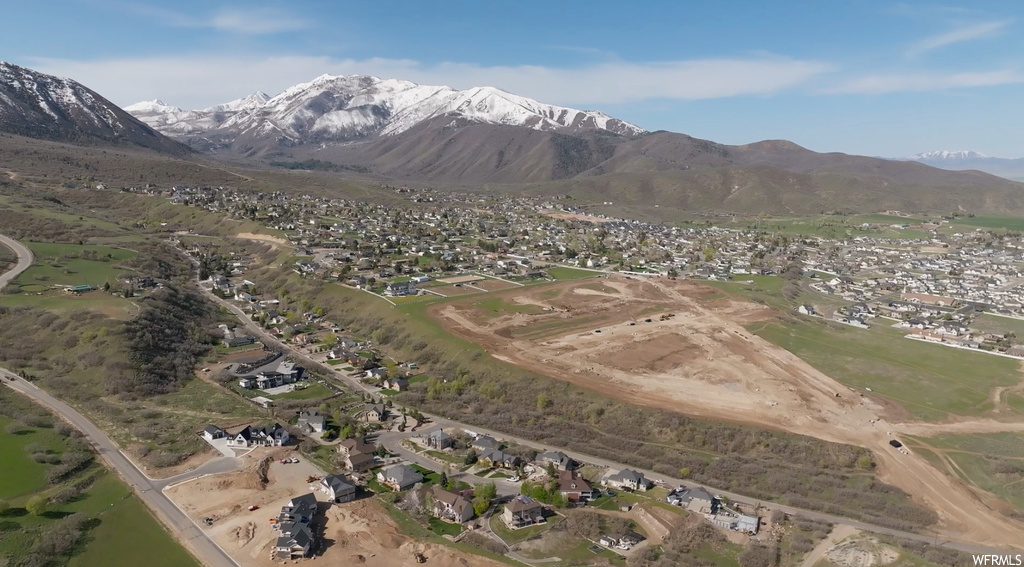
point(198, 82)
point(250, 21)
point(968, 33)
point(918, 82)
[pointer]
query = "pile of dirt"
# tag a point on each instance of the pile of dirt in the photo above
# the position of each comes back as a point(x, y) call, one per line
point(253, 477)
point(862, 553)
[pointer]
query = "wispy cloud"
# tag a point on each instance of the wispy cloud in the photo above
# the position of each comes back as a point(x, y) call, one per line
point(250, 21)
point(198, 82)
point(920, 82)
point(959, 35)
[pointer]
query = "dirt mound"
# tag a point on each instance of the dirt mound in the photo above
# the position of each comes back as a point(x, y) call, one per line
point(862, 553)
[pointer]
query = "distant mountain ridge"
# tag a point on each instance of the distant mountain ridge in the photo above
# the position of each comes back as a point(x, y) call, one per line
point(37, 105)
point(345, 108)
point(966, 160)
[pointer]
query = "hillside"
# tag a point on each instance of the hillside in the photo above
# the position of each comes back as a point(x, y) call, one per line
point(45, 107)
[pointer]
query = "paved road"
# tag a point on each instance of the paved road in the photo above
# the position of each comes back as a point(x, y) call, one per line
point(24, 260)
point(391, 442)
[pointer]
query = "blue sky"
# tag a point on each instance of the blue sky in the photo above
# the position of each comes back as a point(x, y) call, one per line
point(874, 78)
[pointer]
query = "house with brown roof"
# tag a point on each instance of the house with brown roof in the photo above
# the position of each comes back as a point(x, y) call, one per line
point(574, 487)
point(357, 455)
point(450, 506)
point(522, 511)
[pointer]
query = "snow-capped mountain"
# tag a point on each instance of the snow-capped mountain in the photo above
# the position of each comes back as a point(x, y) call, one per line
point(946, 155)
point(342, 108)
point(965, 160)
point(37, 105)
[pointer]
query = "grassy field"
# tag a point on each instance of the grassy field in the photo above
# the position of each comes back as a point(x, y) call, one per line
point(513, 537)
point(148, 545)
point(1007, 223)
point(73, 264)
point(441, 527)
point(562, 273)
point(999, 325)
point(315, 391)
point(60, 303)
point(932, 382)
point(110, 505)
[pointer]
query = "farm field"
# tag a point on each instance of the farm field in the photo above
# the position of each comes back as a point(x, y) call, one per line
point(998, 325)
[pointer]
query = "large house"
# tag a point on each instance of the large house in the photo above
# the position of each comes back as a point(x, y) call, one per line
point(485, 443)
point(522, 511)
point(296, 539)
point(337, 488)
point(574, 487)
point(627, 479)
point(697, 500)
point(375, 413)
point(400, 289)
point(500, 459)
point(450, 506)
point(557, 459)
point(359, 456)
point(438, 439)
point(311, 422)
point(265, 436)
point(399, 477)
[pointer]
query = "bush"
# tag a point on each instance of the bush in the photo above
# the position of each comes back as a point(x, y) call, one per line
point(755, 555)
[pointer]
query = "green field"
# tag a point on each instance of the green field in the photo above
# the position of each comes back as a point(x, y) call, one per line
point(564, 273)
point(60, 303)
point(73, 264)
point(315, 391)
point(109, 504)
point(999, 325)
point(513, 537)
point(1007, 223)
point(931, 381)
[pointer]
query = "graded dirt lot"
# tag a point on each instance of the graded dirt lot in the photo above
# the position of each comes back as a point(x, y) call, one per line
point(695, 357)
point(355, 533)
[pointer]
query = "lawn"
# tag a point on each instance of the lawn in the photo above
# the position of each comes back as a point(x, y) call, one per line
point(73, 264)
point(932, 382)
point(564, 273)
point(61, 303)
point(148, 545)
point(440, 527)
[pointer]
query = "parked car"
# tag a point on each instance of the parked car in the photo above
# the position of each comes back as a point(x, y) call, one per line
point(253, 507)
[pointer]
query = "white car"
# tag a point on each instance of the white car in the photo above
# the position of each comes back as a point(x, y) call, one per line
point(514, 479)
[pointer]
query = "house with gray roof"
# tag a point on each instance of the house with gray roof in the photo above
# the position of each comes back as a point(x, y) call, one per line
point(627, 479)
point(485, 443)
point(558, 459)
point(439, 440)
point(399, 477)
point(337, 488)
point(296, 539)
point(311, 422)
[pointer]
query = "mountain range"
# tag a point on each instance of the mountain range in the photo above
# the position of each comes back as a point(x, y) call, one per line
point(966, 160)
point(485, 138)
point(42, 106)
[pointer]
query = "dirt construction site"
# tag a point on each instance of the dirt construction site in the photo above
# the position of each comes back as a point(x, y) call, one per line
point(681, 346)
point(354, 533)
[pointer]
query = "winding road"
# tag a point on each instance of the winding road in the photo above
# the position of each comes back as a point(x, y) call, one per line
point(24, 260)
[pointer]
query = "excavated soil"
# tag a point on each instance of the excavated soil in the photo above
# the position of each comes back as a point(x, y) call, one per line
point(696, 357)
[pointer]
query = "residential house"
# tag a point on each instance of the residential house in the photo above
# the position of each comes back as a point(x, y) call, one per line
point(296, 539)
point(558, 459)
point(379, 373)
point(238, 341)
point(247, 382)
point(211, 432)
point(627, 479)
point(311, 422)
point(450, 506)
point(265, 436)
point(396, 384)
point(359, 456)
point(806, 310)
point(400, 289)
point(399, 477)
point(574, 487)
point(500, 459)
point(439, 440)
point(522, 511)
point(337, 488)
point(375, 413)
point(696, 500)
point(485, 443)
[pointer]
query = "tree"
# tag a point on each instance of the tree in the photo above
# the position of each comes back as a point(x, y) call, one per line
point(551, 470)
point(443, 480)
point(480, 506)
point(470, 457)
point(36, 505)
point(4, 506)
point(486, 490)
point(542, 401)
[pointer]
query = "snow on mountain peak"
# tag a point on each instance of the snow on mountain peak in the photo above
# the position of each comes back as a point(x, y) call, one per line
point(947, 155)
point(345, 106)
